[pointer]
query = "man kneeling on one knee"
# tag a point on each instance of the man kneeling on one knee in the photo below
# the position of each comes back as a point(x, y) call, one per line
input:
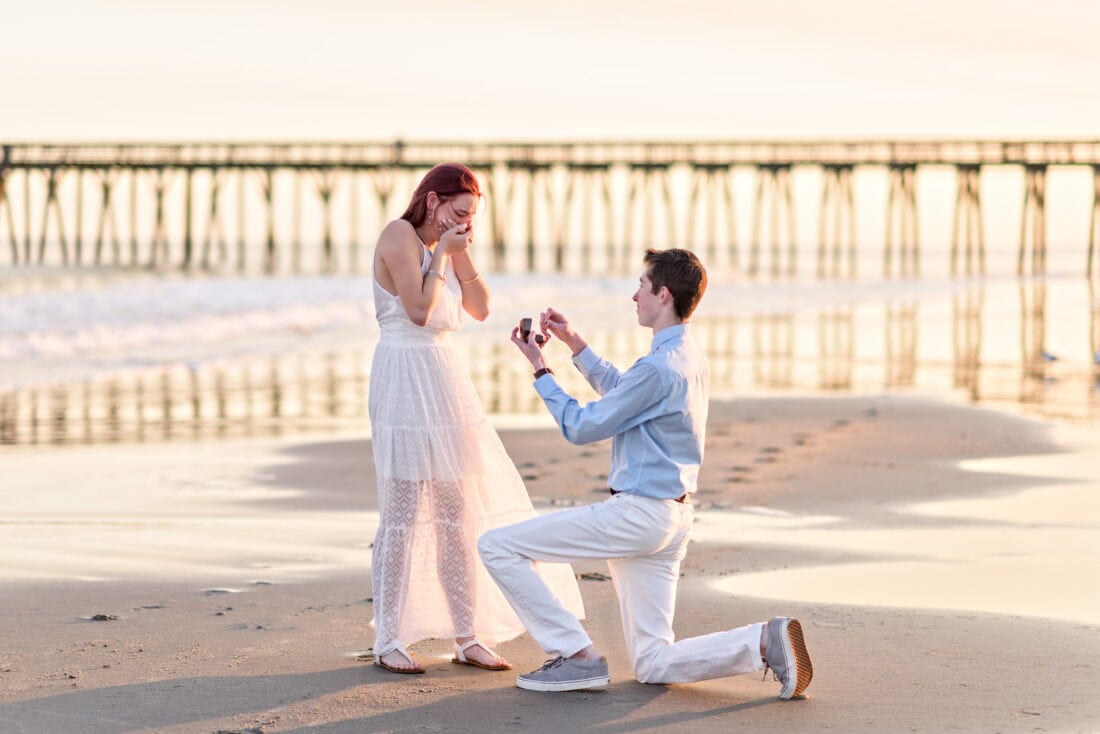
point(655, 412)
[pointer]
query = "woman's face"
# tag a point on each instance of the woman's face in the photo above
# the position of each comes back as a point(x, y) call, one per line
point(460, 210)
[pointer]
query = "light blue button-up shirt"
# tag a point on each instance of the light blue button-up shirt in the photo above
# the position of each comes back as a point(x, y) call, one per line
point(655, 413)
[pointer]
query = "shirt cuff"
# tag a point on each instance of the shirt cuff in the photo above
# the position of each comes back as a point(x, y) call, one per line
point(546, 385)
point(586, 360)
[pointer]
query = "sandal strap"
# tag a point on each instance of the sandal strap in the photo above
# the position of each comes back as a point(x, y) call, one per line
point(461, 649)
point(398, 647)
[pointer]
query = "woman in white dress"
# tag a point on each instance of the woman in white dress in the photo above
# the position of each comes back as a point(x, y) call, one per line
point(443, 475)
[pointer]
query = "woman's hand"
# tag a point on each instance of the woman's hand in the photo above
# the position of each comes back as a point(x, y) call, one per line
point(454, 238)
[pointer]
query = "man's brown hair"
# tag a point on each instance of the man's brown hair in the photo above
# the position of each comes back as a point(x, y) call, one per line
point(682, 273)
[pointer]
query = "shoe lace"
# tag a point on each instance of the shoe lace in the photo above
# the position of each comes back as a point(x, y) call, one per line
point(767, 667)
point(549, 664)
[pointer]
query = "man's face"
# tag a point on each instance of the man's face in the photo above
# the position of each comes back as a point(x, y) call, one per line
point(648, 302)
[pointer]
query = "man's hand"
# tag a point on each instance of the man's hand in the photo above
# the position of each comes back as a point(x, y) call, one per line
point(554, 322)
point(530, 348)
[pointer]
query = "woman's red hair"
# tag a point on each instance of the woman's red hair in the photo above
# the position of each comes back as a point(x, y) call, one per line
point(447, 180)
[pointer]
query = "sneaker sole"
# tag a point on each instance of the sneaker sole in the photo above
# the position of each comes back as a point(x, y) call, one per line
point(560, 686)
point(795, 645)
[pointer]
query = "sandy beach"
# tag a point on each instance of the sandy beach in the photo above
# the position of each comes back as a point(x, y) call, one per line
point(941, 557)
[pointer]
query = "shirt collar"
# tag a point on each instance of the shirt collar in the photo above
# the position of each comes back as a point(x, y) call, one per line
point(667, 334)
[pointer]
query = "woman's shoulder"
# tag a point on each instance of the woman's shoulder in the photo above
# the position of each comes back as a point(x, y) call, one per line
point(398, 229)
point(397, 236)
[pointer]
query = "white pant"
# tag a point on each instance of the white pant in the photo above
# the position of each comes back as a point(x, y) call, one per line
point(644, 541)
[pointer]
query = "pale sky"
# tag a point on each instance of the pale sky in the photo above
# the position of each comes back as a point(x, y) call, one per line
point(569, 69)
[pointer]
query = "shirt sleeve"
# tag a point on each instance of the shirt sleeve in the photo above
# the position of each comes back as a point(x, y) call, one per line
point(601, 374)
point(636, 398)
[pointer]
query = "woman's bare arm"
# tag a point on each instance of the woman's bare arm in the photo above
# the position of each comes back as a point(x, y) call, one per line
point(398, 261)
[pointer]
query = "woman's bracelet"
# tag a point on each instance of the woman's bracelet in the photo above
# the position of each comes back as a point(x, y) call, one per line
point(469, 280)
point(435, 274)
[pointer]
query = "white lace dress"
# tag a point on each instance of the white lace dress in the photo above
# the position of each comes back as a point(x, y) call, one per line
point(443, 479)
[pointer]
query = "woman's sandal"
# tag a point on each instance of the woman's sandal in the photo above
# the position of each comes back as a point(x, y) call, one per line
point(461, 659)
point(415, 670)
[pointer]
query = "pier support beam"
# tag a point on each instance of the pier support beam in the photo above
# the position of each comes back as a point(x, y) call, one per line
point(838, 208)
point(968, 221)
point(214, 223)
point(159, 246)
point(649, 189)
point(5, 206)
point(78, 228)
point(586, 186)
point(267, 182)
point(107, 178)
point(52, 180)
point(1093, 258)
point(354, 200)
point(712, 188)
point(500, 206)
point(774, 183)
point(902, 220)
point(325, 184)
point(188, 203)
point(1033, 222)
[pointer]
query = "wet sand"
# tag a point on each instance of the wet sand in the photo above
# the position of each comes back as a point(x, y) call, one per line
point(913, 539)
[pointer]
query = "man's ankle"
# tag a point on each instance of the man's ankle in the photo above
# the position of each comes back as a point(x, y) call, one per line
point(588, 653)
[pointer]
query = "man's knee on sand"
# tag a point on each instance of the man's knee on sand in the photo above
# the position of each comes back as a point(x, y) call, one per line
point(647, 667)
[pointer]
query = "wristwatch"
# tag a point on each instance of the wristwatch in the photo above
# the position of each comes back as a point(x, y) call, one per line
point(543, 371)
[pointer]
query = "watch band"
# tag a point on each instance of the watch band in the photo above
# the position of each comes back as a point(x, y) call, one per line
point(543, 371)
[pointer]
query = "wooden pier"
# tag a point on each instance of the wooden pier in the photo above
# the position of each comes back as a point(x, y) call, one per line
point(550, 207)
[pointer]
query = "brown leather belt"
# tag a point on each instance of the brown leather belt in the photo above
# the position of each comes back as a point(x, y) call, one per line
point(681, 499)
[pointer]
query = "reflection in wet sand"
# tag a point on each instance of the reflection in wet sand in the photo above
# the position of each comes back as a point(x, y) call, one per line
point(773, 342)
point(901, 345)
point(249, 397)
point(837, 350)
point(1094, 328)
point(966, 330)
point(1033, 354)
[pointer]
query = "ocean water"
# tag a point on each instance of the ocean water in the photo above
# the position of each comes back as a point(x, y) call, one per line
point(115, 355)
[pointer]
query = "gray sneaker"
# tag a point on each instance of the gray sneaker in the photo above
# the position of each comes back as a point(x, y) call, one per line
point(566, 674)
point(786, 655)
